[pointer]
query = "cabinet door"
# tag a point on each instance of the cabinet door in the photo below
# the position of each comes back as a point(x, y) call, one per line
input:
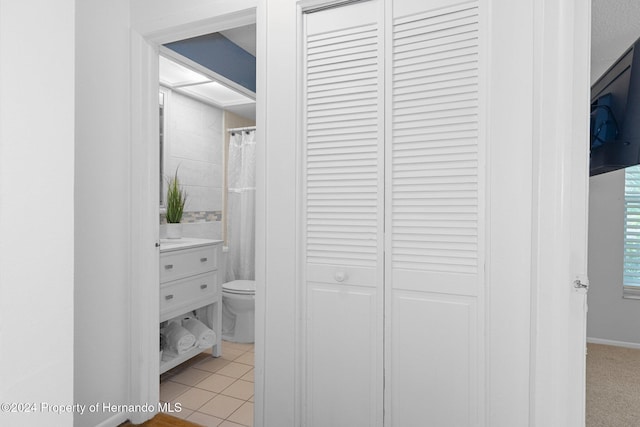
point(433, 214)
point(343, 154)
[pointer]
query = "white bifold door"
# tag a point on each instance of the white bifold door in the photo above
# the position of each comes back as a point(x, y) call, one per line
point(392, 214)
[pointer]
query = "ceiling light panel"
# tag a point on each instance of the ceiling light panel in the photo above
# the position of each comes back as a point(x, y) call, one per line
point(218, 94)
point(173, 74)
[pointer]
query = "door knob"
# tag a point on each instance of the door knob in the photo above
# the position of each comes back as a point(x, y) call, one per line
point(340, 276)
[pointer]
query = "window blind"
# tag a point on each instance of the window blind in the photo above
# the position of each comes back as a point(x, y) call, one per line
point(632, 228)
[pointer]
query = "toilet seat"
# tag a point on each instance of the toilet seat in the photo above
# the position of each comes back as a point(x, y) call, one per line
point(240, 287)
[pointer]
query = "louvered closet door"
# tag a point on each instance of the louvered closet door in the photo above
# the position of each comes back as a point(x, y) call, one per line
point(343, 216)
point(434, 220)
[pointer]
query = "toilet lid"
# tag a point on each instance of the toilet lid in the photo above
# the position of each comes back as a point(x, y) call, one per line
point(240, 287)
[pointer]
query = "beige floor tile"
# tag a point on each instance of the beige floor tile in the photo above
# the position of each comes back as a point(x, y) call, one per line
point(212, 364)
point(234, 370)
point(170, 390)
point(190, 376)
point(239, 389)
point(212, 389)
point(221, 406)
point(205, 420)
point(237, 346)
point(216, 383)
point(248, 376)
point(247, 358)
point(185, 365)
point(244, 415)
point(182, 414)
point(231, 354)
point(194, 398)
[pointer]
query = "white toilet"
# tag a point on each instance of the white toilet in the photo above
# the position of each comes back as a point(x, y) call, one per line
point(238, 311)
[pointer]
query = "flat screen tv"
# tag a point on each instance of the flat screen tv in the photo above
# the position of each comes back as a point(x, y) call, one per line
point(615, 115)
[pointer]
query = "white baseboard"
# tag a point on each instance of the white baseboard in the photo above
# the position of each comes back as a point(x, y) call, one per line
point(613, 343)
point(115, 420)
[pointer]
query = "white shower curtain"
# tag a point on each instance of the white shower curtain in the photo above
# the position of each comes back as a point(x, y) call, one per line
point(241, 182)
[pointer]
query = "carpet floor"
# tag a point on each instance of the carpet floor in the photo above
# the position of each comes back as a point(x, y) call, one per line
point(613, 386)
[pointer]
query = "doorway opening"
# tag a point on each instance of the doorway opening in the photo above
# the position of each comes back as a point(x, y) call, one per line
point(207, 141)
point(613, 352)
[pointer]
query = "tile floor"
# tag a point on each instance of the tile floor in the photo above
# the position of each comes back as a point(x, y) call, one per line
point(213, 391)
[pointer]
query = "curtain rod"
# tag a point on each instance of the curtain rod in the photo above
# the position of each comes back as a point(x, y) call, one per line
point(241, 129)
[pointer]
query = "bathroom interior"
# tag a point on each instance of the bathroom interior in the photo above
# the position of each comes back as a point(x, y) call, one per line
point(207, 260)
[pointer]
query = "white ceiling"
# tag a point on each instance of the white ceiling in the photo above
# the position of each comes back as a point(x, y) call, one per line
point(245, 37)
point(615, 25)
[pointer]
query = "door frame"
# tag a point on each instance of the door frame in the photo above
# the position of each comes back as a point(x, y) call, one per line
point(560, 212)
point(144, 168)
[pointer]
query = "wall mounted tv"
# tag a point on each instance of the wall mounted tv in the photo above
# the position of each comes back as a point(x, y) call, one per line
point(615, 115)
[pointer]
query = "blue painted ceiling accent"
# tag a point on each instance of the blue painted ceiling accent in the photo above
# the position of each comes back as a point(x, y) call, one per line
point(220, 55)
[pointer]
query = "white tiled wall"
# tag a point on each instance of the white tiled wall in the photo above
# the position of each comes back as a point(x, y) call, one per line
point(194, 145)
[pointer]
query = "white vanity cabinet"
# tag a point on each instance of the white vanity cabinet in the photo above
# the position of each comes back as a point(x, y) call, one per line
point(190, 282)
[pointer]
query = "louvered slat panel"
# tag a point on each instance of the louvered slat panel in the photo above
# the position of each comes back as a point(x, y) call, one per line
point(435, 142)
point(342, 147)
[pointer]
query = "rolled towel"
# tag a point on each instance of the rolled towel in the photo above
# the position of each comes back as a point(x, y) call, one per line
point(178, 338)
point(205, 337)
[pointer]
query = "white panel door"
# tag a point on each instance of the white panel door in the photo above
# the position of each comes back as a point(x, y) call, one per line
point(440, 339)
point(434, 215)
point(343, 164)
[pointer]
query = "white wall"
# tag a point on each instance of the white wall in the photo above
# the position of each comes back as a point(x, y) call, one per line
point(102, 325)
point(610, 317)
point(36, 207)
point(276, 209)
point(152, 18)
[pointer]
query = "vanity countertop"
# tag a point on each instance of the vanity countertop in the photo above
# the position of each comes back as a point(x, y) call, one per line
point(167, 245)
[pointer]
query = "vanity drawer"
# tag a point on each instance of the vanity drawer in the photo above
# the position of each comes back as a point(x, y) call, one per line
point(190, 293)
point(189, 262)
